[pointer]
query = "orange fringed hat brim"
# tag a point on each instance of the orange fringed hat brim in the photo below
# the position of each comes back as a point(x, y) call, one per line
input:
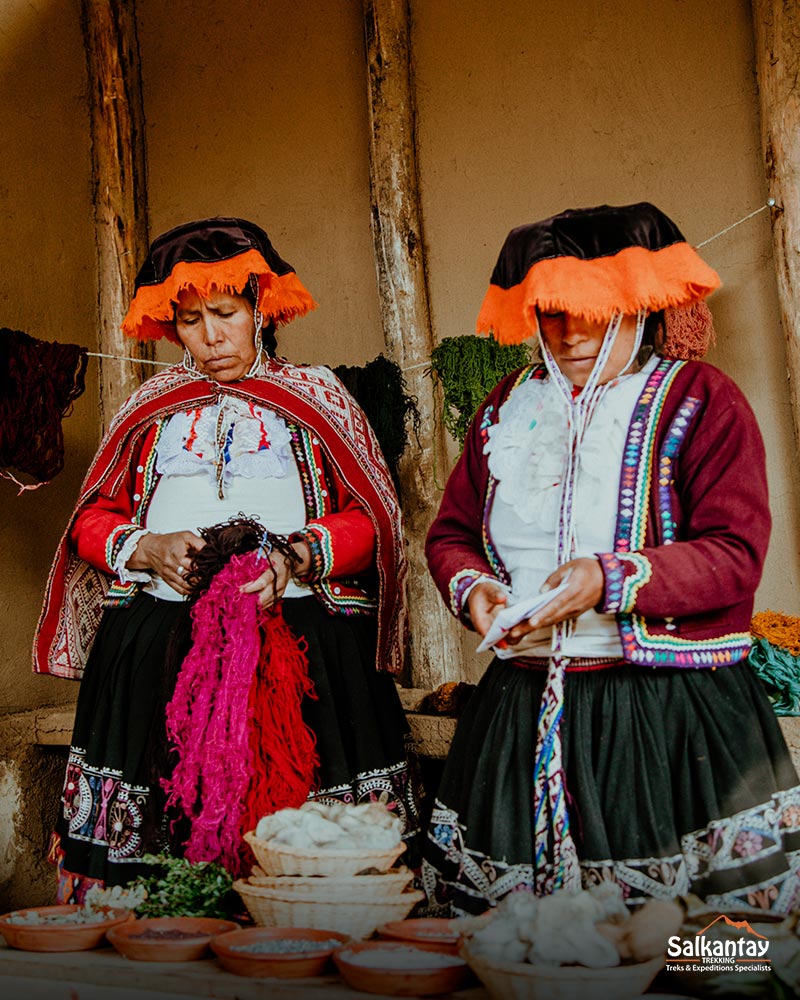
point(281, 298)
point(636, 278)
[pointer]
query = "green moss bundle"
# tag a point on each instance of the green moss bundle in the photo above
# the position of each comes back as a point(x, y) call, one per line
point(380, 390)
point(468, 368)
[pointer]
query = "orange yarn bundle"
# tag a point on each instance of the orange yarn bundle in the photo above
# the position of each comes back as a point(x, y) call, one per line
point(779, 629)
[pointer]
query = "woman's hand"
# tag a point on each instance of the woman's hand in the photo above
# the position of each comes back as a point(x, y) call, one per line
point(484, 602)
point(168, 556)
point(585, 590)
point(272, 583)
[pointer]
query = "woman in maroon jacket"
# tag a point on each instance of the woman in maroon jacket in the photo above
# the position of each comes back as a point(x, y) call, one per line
point(619, 733)
point(232, 429)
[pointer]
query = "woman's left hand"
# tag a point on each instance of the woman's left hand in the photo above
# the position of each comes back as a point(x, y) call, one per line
point(272, 583)
point(584, 591)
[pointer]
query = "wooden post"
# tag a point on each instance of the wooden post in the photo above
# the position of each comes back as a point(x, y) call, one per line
point(405, 313)
point(120, 188)
point(777, 40)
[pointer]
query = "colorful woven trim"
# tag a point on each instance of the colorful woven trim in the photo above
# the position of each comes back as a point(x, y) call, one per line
point(318, 539)
point(622, 588)
point(633, 279)
point(638, 458)
point(281, 297)
point(117, 539)
point(681, 423)
point(627, 570)
point(460, 587)
point(727, 862)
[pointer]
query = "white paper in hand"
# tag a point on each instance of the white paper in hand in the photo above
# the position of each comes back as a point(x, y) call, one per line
point(509, 617)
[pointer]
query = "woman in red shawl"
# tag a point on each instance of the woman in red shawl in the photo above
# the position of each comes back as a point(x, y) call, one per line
point(619, 733)
point(232, 429)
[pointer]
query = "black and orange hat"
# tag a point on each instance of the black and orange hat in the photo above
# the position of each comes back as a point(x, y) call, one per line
point(593, 262)
point(212, 254)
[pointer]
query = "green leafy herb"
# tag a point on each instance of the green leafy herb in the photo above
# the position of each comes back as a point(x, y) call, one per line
point(180, 888)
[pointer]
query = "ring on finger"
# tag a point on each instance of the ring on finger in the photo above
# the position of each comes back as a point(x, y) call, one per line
point(180, 570)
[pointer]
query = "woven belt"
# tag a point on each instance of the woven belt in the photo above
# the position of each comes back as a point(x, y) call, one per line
point(582, 664)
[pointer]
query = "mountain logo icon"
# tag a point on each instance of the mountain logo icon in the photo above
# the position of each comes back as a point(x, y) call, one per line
point(739, 925)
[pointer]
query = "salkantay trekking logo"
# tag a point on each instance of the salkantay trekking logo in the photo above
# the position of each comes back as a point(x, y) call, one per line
point(745, 953)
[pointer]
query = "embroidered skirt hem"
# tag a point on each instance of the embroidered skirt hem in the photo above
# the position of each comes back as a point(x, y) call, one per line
point(678, 781)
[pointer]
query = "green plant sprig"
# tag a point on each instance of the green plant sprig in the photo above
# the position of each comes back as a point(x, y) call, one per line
point(184, 889)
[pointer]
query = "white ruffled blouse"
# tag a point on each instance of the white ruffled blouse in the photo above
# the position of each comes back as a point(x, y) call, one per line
point(527, 452)
point(215, 462)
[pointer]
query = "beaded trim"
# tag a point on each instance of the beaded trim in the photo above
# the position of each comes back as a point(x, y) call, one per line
point(341, 596)
point(117, 539)
point(637, 457)
point(318, 539)
point(622, 589)
point(460, 586)
point(120, 594)
point(309, 478)
point(666, 480)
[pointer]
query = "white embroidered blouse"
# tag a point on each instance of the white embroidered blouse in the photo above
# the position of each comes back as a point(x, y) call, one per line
point(527, 456)
point(215, 462)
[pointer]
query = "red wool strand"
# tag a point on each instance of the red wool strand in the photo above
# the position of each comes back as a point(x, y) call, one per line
point(235, 719)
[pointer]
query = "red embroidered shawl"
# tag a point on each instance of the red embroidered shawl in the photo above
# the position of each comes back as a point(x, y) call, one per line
point(308, 396)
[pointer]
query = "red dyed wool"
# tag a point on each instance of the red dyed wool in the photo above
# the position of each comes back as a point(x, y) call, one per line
point(234, 719)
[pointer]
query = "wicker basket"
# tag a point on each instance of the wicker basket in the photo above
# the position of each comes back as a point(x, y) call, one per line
point(316, 888)
point(355, 917)
point(279, 859)
point(521, 981)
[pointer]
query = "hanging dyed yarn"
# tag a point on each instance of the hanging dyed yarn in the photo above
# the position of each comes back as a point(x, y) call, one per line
point(775, 657)
point(235, 722)
point(468, 368)
point(39, 381)
point(379, 388)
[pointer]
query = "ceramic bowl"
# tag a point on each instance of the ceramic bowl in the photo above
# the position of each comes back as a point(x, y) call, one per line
point(430, 934)
point(404, 970)
point(311, 961)
point(58, 936)
point(168, 939)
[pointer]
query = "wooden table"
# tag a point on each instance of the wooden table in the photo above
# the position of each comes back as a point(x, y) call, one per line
point(103, 974)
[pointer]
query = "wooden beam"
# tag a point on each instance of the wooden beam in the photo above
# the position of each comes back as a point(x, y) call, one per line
point(405, 313)
point(120, 187)
point(776, 26)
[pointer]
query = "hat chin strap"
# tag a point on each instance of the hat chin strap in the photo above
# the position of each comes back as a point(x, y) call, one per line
point(258, 320)
point(258, 323)
point(580, 411)
point(559, 866)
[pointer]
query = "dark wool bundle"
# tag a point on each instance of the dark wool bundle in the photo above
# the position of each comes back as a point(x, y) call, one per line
point(39, 381)
point(379, 388)
point(234, 537)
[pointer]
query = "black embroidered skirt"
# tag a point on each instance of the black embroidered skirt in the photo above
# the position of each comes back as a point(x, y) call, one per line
point(678, 781)
point(113, 807)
